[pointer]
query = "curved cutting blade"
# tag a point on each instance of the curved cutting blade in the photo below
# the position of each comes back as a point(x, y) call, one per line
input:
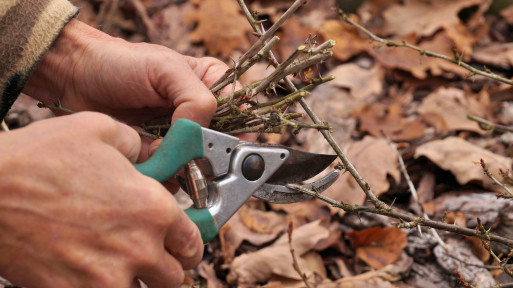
point(282, 195)
point(300, 166)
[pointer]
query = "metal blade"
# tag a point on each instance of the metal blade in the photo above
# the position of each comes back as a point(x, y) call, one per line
point(300, 166)
point(282, 195)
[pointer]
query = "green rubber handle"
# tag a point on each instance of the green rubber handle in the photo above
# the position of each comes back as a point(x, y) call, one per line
point(182, 144)
point(205, 222)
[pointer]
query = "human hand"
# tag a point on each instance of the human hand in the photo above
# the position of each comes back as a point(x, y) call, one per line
point(74, 212)
point(132, 82)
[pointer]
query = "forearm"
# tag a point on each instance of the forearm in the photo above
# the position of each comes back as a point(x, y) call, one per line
point(27, 29)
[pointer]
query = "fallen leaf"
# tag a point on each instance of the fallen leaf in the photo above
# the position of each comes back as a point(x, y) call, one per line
point(292, 34)
point(362, 83)
point(498, 55)
point(446, 109)
point(424, 18)
point(459, 259)
point(507, 14)
point(208, 273)
point(303, 212)
point(377, 118)
point(461, 158)
point(484, 205)
point(220, 26)
point(375, 160)
point(174, 31)
point(378, 246)
point(349, 41)
point(412, 61)
point(252, 225)
point(259, 266)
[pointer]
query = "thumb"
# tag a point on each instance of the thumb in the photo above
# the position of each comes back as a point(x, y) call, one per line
point(190, 97)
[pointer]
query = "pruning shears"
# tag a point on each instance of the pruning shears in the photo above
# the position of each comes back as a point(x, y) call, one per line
point(226, 172)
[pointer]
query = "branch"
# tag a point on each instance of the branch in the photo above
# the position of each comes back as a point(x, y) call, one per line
point(326, 133)
point(488, 125)
point(456, 60)
point(409, 221)
point(508, 194)
point(295, 264)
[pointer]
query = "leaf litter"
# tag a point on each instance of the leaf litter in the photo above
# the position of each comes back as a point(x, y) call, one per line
point(420, 103)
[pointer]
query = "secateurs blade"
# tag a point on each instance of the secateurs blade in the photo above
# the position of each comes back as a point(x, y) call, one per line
point(227, 171)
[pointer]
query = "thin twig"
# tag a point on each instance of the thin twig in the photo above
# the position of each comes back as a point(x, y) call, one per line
point(456, 60)
point(508, 194)
point(488, 125)
point(295, 264)
point(408, 220)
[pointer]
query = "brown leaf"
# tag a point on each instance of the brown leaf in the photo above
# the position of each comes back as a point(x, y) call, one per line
point(375, 160)
point(446, 109)
point(252, 225)
point(496, 54)
point(377, 118)
point(220, 26)
point(378, 246)
point(486, 206)
point(362, 83)
point(411, 60)
point(208, 273)
point(459, 259)
point(259, 266)
point(507, 14)
point(460, 157)
point(349, 42)
point(424, 18)
point(292, 34)
point(174, 31)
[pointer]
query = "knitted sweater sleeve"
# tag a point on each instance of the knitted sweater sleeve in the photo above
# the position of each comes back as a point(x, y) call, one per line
point(27, 30)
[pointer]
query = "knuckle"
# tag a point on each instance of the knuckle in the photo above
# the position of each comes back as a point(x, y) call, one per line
point(98, 121)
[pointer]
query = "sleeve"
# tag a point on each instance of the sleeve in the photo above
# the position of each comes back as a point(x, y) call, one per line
point(27, 30)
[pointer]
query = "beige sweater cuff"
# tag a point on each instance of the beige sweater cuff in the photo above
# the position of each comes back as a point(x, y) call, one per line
point(27, 30)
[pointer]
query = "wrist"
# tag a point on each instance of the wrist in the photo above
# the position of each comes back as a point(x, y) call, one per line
point(53, 77)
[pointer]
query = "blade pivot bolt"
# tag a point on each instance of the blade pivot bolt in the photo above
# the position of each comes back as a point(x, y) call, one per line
point(253, 167)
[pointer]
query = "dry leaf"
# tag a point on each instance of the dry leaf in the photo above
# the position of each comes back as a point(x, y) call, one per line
point(259, 266)
point(496, 54)
point(349, 41)
point(375, 160)
point(208, 273)
point(252, 225)
point(362, 83)
point(411, 60)
point(486, 206)
point(220, 26)
point(461, 158)
point(378, 246)
point(378, 118)
point(173, 30)
point(292, 34)
point(475, 274)
point(446, 109)
point(507, 14)
point(424, 18)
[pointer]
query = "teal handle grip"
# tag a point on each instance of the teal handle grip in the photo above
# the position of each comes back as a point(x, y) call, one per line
point(205, 222)
point(182, 144)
